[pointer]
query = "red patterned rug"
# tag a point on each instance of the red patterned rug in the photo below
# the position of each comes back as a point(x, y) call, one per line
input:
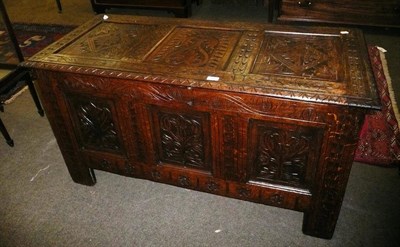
point(380, 136)
point(31, 38)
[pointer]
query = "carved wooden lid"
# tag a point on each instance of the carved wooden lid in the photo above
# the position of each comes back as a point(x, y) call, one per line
point(327, 65)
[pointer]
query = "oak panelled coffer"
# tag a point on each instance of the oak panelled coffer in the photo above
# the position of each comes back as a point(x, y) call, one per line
point(259, 112)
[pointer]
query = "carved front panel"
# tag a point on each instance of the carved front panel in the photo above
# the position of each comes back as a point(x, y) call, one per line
point(95, 124)
point(182, 138)
point(309, 56)
point(195, 47)
point(283, 153)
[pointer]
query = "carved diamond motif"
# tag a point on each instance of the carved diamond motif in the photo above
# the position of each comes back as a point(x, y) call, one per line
point(301, 55)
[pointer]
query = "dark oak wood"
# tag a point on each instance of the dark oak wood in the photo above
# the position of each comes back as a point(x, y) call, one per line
point(264, 113)
point(358, 12)
point(180, 8)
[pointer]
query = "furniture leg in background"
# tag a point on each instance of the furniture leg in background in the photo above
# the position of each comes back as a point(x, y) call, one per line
point(272, 6)
point(29, 82)
point(5, 134)
point(10, 81)
point(180, 8)
point(59, 6)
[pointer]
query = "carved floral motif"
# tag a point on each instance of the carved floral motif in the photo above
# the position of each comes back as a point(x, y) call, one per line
point(276, 199)
point(96, 125)
point(182, 140)
point(105, 164)
point(283, 155)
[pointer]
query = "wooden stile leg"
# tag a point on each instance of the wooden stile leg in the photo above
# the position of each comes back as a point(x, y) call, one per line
point(4, 131)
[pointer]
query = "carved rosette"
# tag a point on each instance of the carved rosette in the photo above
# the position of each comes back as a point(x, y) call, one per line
point(243, 192)
point(105, 164)
point(212, 186)
point(184, 181)
point(130, 169)
point(276, 199)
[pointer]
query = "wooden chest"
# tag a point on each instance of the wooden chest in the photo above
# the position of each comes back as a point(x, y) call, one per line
point(263, 113)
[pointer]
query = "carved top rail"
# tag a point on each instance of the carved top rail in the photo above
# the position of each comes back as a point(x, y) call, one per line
point(306, 63)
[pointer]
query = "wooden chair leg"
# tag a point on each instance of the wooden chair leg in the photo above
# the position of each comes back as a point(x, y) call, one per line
point(59, 6)
point(4, 131)
point(32, 90)
point(271, 9)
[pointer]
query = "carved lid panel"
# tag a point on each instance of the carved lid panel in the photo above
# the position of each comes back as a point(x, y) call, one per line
point(300, 55)
point(326, 65)
point(195, 47)
point(126, 42)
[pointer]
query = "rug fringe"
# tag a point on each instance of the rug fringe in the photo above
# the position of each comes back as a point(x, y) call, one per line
point(393, 100)
point(390, 86)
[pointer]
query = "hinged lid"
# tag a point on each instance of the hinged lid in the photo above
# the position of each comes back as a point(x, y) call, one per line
point(327, 65)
